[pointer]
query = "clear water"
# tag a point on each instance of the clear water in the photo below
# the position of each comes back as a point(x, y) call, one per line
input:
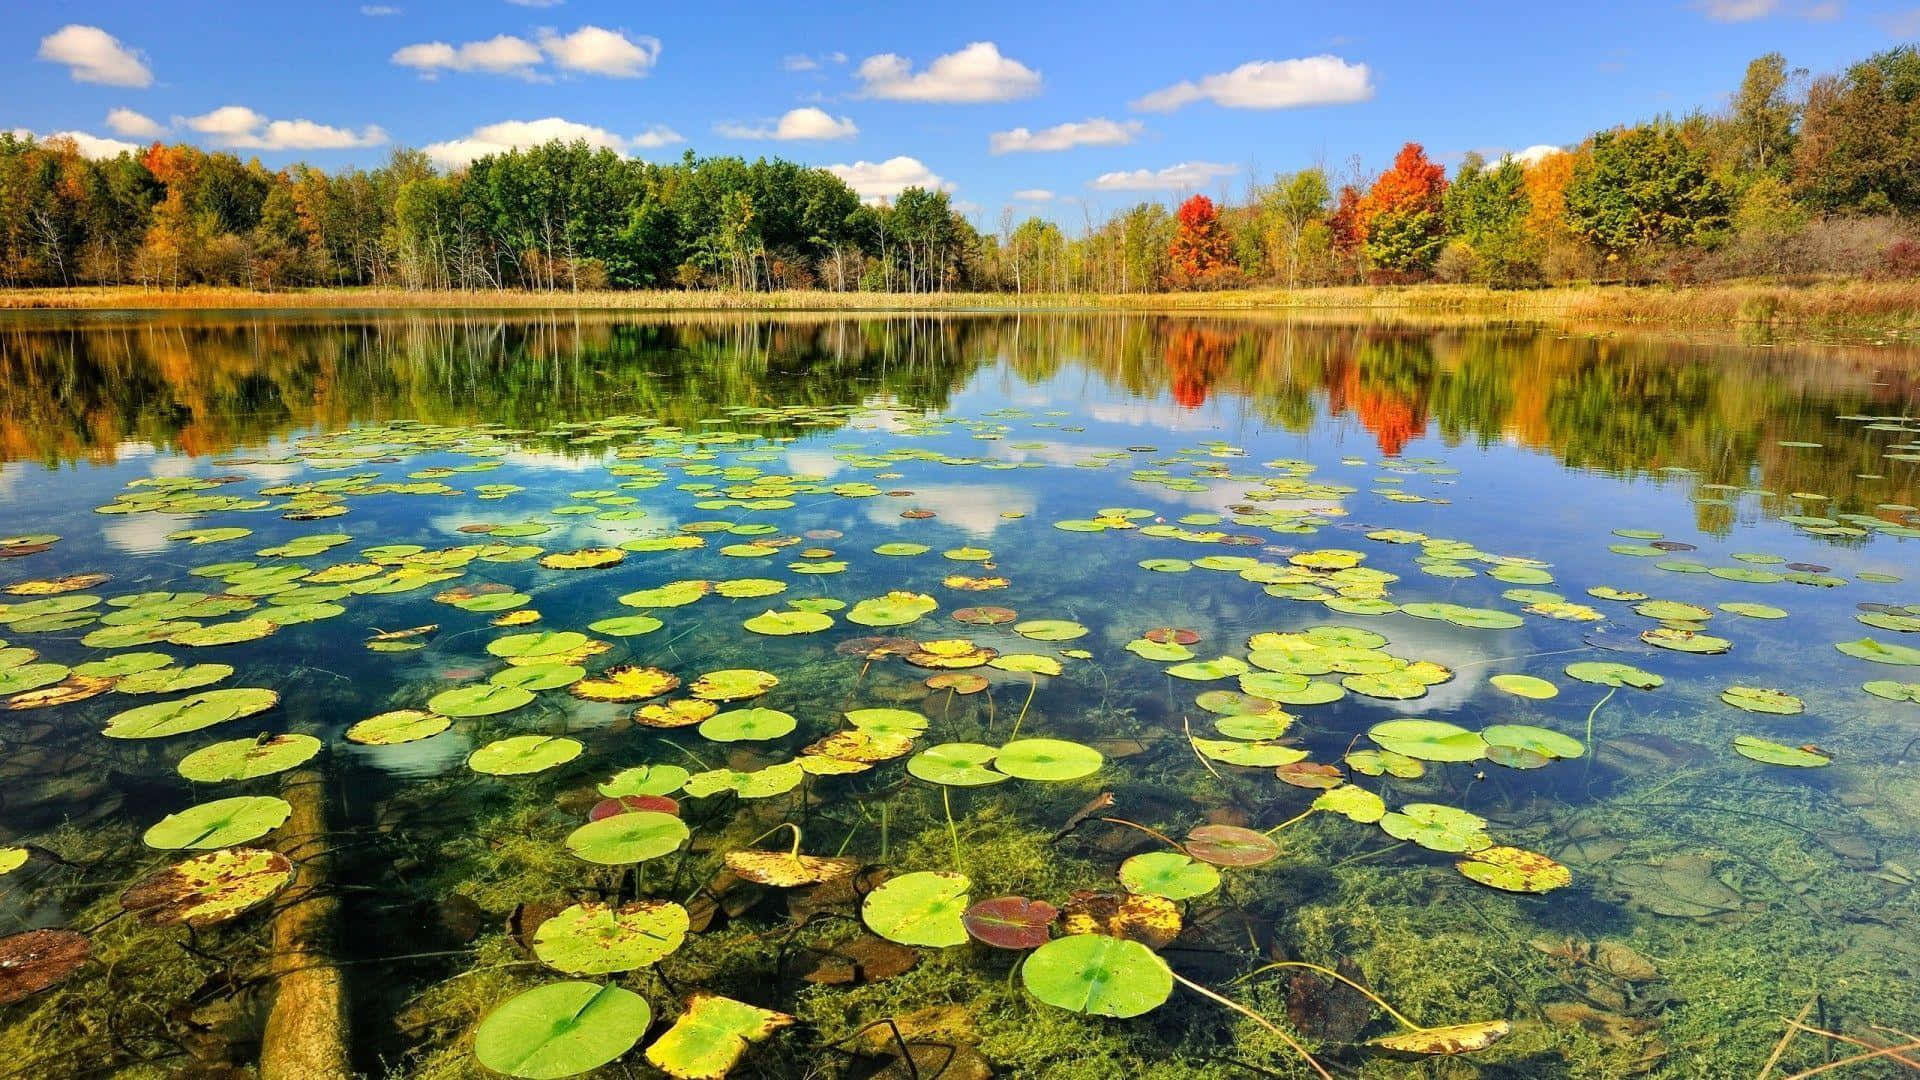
point(1712, 896)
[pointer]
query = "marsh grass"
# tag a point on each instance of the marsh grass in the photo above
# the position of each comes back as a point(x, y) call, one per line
point(1827, 303)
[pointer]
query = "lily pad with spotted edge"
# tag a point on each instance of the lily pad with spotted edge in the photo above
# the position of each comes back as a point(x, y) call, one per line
point(711, 1037)
point(733, 684)
point(521, 755)
point(592, 938)
point(1437, 828)
point(245, 759)
point(626, 683)
point(1514, 870)
point(1444, 1041)
point(208, 889)
point(1758, 699)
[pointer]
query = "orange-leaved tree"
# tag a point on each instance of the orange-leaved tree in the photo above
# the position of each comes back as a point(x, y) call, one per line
point(1200, 251)
point(1401, 221)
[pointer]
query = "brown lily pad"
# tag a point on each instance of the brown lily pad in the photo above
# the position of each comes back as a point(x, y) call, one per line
point(1231, 845)
point(786, 870)
point(865, 959)
point(1445, 1041)
point(960, 682)
point(985, 615)
point(627, 804)
point(1010, 922)
point(209, 889)
point(1171, 635)
point(1153, 921)
point(1310, 774)
point(33, 961)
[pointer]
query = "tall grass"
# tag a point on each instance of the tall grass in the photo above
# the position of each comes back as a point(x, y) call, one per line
point(1828, 303)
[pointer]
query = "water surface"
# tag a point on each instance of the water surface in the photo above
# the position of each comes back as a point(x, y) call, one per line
point(1120, 474)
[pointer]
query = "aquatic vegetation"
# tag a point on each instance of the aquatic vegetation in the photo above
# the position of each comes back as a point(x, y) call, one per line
point(1229, 711)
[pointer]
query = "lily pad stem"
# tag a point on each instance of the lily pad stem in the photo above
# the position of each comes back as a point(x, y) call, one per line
point(1332, 974)
point(1031, 690)
point(1256, 1018)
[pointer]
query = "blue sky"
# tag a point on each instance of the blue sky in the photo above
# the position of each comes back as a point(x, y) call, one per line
point(1041, 106)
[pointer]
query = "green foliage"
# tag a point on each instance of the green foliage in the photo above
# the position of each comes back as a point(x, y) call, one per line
point(1643, 188)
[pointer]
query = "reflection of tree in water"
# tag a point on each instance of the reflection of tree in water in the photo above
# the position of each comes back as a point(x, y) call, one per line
point(204, 384)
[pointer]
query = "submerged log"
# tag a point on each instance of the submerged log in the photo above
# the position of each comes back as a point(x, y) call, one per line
point(306, 1034)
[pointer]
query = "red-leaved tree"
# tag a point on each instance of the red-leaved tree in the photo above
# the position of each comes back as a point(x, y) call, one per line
point(1200, 252)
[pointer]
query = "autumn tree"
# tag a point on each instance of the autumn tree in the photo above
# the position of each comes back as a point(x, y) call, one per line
point(1859, 144)
point(1200, 252)
point(1401, 218)
point(1487, 210)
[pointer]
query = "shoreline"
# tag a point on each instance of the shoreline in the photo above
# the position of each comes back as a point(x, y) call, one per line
point(1857, 305)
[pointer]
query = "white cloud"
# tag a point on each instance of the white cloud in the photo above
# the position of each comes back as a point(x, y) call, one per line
point(1738, 10)
point(1271, 84)
point(240, 128)
point(90, 146)
point(138, 125)
point(520, 134)
point(94, 56)
point(599, 51)
point(378, 10)
point(1534, 155)
point(875, 181)
point(804, 62)
point(1182, 177)
point(974, 74)
point(500, 55)
point(804, 123)
point(1034, 195)
point(1099, 131)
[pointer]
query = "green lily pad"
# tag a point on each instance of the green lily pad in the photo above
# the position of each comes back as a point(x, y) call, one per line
point(1097, 975)
point(1537, 740)
point(644, 780)
point(396, 727)
point(1259, 755)
point(1047, 760)
point(625, 625)
point(920, 908)
point(1880, 653)
point(956, 765)
point(787, 623)
point(1607, 673)
point(1769, 752)
point(1170, 874)
point(1428, 740)
point(1893, 691)
point(1514, 870)
point(595, 939)
point(561, 1029)
point(1437, 828)
point(542, 643)
point(1762, 700)
point(192, 713)
point(1691, 641)
point(1526, 686)
point(245, 759)
point(538, 676)
point(747, 725)
point(1050, 629)
point(519, 755)
point(894, 609)
point(220, 823)
point(1351, 802)
point(479, 699)
point(628, 838)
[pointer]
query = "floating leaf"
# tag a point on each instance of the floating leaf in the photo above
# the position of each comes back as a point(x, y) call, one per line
point(788, 623)
point(479, 699)
point(733, 684)
point(1448, 1040)
point(519, 755)
point(711, 1037)
point(396, 727)
point(561, 1029)
point(644, 780)
point(1010, 922)
point(1098, 975)
point(1231, 845)
point(1171, 874)
point(177, 717)
point(38, 959)
point(748, 725)
point(595, 939)
point(1047, 759)
point(1428, 740)
point(1526, 686)
point(920, 908)
point(626, 683)
point(1880, 653)
point(209, 889)
point(245, 759)
point(628, 838)
point(786, 869)
point(1692, 641)
point(1769, 752)
point(1437, 828)
point(1538, 740)
point(1605, 673)
point(1761, 700)
point(1514, 870)
point(1353, 803)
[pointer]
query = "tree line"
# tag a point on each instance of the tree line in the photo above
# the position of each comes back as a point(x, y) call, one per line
point(1797, 176)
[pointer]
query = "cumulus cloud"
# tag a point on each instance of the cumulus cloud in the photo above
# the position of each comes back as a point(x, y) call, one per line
point(590, 50)
point(503, 54)
point(1738, 10)
point(1181, 177)
point(1534, 155)
point(89, 146)
point(974, 74)
point(1099, 131)
point(598, 51)
point(240, 128)
point(1036, 194)
point(803, 123)
point(137, 125)
point(876, 181)
point(520, 134)
point(1270, 84)
point(94, 56)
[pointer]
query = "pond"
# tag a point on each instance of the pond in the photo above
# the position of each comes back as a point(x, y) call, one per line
point(1055, 695)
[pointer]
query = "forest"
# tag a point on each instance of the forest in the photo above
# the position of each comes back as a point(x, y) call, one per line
point(1798, 177)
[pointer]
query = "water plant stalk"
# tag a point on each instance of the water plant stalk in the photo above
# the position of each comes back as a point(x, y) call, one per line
point(1256, 1018)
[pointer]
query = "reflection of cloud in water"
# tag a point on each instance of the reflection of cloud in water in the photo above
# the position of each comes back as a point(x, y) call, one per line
point(1051, 452)
point(550, 461)
point(417, 760)
point(813, 463)
point(1158, 414)
point(145, 534)
point(972, 508)
point(1455, 647)
point(269, 474)
point(10, 475)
